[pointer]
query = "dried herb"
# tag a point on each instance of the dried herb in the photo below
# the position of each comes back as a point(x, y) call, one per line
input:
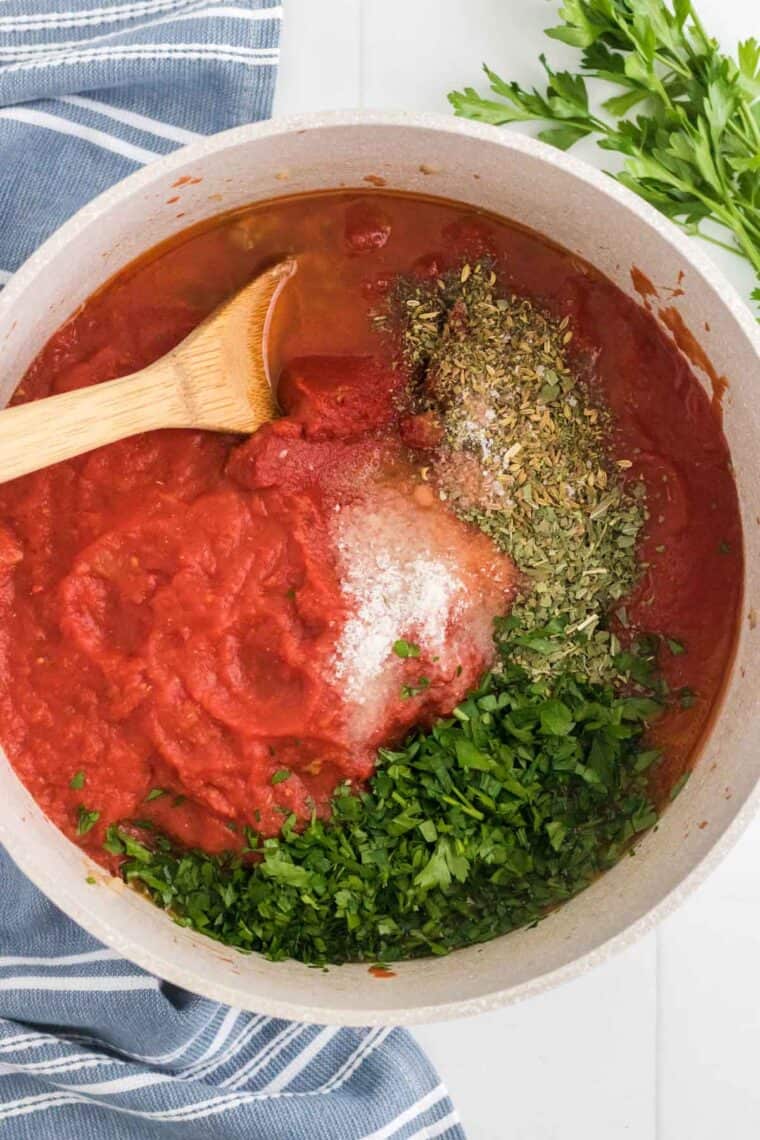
point(526, 457)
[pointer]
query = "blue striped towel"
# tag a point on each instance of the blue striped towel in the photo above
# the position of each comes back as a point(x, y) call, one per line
point(91, 1048)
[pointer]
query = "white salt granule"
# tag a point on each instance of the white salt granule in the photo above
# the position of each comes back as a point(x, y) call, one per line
point(401, 582)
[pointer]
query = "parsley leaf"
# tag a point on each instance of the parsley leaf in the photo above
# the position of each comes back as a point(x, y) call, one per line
point(679, 785)
point(556, 718)
point(113, 843)
point(686, 116)
point(86, 820)
point(469, 756)
point(77, 780)
point(415, 690)
point(403, 648)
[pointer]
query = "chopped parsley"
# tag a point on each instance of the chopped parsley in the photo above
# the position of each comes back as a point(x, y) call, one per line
point(77, 780)
point(86, 819)
point(475, 827)
point(112, 843)
point(278, 777)
point(155, 794)
point(422, 683)
point(403, 648)
point(679, 785)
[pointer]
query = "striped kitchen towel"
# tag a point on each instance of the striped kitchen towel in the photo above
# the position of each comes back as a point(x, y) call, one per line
point(92, 1048)
point(91, 90)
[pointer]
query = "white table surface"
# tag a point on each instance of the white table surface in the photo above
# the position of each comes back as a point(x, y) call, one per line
point(663, 1042)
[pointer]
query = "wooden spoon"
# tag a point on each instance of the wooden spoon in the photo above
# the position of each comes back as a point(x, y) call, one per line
point(216, 378)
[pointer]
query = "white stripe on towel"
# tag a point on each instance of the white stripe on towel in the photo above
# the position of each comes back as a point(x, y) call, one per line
point(64, 959)
point(65, 127)
point(273, 1049)
point(148, 1058)
point(132, 119)
point(409, 1114)
point(371, 1042)
point(253, 14)
point(110, 14)
point(105, 985)
point(97, 47)
point(39, 1103)
point(110, 39)
point(68, 1064)
point(287, 1075)
point(250, 1030)
point(24, 1041)
point(430, 1131)
point(126, 1084)
point(211, 1107)
point(224, 53)
point(214, 1048)
point(114, 14)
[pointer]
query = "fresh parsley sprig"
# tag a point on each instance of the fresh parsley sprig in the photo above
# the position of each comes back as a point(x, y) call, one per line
point(693, 148)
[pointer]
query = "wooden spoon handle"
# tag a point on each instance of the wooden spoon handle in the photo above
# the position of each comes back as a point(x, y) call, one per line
point(47, 431)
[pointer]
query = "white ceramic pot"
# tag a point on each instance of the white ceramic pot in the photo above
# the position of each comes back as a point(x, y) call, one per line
point(587, 213)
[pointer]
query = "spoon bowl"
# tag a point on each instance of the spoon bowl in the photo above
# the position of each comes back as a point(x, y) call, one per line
point(217, 378)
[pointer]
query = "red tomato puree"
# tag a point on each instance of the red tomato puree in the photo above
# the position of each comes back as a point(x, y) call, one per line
point(197, 630)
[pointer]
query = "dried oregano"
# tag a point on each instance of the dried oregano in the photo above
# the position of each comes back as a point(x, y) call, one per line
point(526, 456)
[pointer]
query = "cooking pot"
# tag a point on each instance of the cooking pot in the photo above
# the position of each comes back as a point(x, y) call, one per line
point(590, 215)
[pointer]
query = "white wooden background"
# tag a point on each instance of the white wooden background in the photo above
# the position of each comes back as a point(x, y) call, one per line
point(663, 1042)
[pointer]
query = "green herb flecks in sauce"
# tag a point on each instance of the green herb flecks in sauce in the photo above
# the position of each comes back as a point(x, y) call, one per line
point(86, 819)
point(404, 648)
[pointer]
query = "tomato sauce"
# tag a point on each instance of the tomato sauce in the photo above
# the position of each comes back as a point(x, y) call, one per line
point(170, 605)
